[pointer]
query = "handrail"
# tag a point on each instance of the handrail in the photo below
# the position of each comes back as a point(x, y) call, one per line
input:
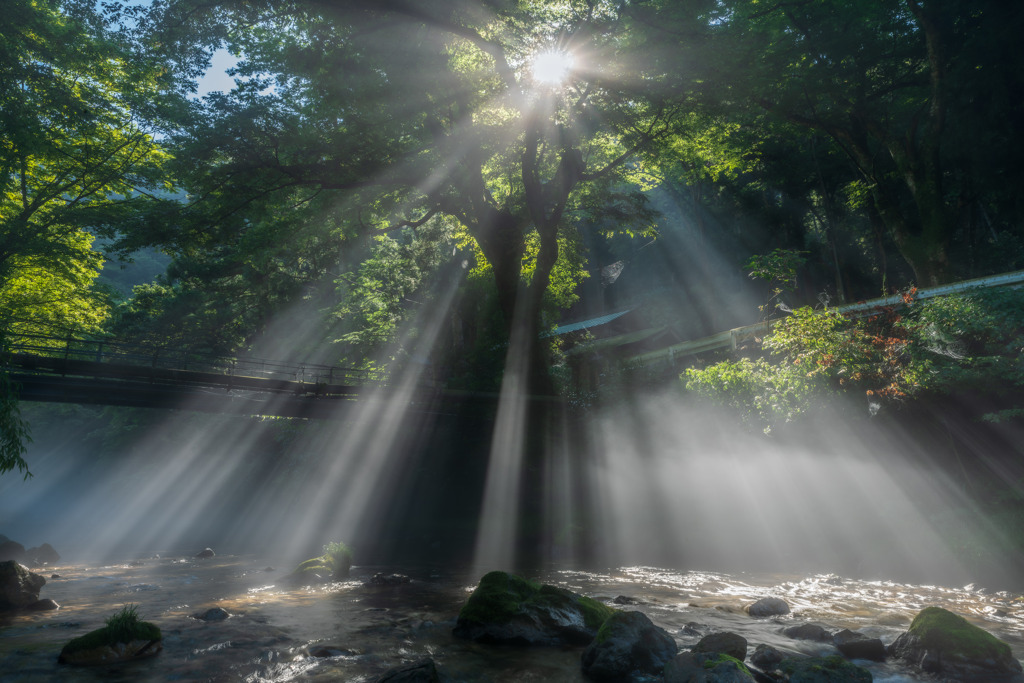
point(112, 351)
point(731, 339)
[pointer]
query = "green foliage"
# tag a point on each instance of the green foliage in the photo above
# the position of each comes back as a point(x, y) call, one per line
point(339, 558)
point(333, 565)
point(14, 430)
point(778, 268)
point(763, 394)
point(77, 157)
point(390, 288)
point(960, 342)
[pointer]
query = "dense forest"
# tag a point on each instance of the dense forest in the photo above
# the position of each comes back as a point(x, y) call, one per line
point(393, 183)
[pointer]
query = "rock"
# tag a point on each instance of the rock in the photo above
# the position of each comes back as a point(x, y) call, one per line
point(424, 671)
point(694, 629)
point(109, 654)
point(832, 669)
point(628, 644)
point(626, 600)
point(124, 638)
point(706, 667)
point(856, 645)
point(807, 632)
point(766, 657)
point(727, 643)
point(212, 614)
point(382, 579)
point(768, 607)
point(44, 554)
point(18, 586)
point(44, 605)
point(11, 550)
point(505, 608)
point(947, 645)
point(205, 553)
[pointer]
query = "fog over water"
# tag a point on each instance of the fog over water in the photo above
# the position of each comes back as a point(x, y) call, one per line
point(650, 482)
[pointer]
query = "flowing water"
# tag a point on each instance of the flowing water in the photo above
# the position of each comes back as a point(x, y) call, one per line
point(349, 631)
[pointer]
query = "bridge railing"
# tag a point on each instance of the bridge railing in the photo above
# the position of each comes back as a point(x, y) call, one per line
point(131, 353)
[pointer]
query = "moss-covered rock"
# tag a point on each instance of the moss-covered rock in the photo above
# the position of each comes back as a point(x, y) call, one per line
point(941, 642)
point(505, 608)
point(125, 637)
point(731, 644)
point(833, 669)
point(627, 644)
point(709, 667)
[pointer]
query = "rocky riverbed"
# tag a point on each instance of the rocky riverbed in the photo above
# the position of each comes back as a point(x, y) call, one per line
point(232, 618)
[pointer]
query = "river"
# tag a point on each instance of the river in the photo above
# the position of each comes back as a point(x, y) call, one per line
point(349, 631)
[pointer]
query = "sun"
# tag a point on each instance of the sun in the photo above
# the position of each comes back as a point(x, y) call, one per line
point(552, 67)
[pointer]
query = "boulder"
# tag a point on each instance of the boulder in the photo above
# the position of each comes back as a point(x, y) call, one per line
point(44, 605)
point(205, 553)
point(423, 671)
point(11, 550)
point(945, 644)
point(627, 600)
point(44, 554)
point(807, 632)
point(505, 608)
point(832, 669)
point(768, 607)
point(19, 587)
point(706, 667)
point(766, 657)
point(212, 614)
point(110, 653)
point(727, 643)
point(628, 644)
point(856, 645)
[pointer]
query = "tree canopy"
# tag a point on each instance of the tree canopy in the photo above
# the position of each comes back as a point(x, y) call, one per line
point(372, 148)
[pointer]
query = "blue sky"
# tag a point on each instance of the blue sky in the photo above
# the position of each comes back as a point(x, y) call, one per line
point(216, 78)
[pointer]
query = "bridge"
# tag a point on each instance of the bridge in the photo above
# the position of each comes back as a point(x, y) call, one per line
point(112, 372)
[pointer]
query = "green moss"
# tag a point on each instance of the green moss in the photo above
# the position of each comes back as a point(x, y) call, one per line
point(501, 595)
point(595, 613)
point(123, 627)
point(725, 659)
point(942, 630)
point(498, 597)
point(604, 633)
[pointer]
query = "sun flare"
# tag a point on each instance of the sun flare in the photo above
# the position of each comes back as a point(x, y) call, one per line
point(552, 67)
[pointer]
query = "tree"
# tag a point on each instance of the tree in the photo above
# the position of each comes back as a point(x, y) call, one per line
point(14, 433)
point(886, 81)
point(348, 123)
point(76, 157)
